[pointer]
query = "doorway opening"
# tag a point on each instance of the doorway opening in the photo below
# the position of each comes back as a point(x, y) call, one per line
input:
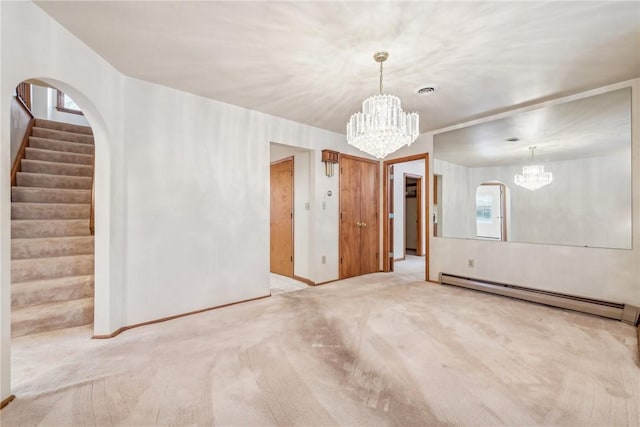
point(51, 236)
point(491, 211)
point(436, 216)
point(405, 229)
point(52, 243)
point(412, 215)
point(290, 210)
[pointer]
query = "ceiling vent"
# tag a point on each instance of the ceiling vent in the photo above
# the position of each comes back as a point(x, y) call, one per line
point(426, 89)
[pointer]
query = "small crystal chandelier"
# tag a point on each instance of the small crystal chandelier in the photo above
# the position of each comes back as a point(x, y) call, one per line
point(534, 176)
point(382, 127)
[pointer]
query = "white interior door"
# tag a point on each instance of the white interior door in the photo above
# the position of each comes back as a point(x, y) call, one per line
point(489, 212)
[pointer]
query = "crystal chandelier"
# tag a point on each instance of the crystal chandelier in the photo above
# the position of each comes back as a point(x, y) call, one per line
point(382, 127)
point(533, 176)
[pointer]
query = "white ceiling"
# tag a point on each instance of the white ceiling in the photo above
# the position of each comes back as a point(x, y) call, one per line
point(312, 61)
point(593, 126)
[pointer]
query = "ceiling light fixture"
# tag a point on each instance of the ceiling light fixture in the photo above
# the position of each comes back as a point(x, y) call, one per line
point(382, 127)
point(533, 176)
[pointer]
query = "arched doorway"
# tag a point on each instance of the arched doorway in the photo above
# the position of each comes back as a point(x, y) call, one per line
point(52, 244)
point(100, 314)
point(492, 211)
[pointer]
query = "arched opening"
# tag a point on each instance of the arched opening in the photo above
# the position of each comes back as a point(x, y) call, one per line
point(492, 211)
point(64, 163)
point(52, 248)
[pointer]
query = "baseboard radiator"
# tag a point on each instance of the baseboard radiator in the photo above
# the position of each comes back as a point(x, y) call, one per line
point(612, 310)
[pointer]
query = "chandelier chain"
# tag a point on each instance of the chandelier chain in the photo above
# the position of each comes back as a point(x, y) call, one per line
point(380, 78)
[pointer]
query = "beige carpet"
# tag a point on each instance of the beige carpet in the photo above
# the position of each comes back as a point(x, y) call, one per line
point(370, 351)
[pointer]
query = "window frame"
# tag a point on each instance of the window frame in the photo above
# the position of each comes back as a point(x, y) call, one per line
point(60, 104)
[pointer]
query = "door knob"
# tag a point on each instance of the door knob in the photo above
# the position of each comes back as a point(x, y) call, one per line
point(364, 224)
point(358, 224)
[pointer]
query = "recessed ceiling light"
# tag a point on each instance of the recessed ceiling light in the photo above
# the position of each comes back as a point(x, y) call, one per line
point(512, 139)
point(427, 89)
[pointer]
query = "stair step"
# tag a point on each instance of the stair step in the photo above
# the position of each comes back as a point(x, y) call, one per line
point(21, 210)
point(67, 127)
point(47, 247)
point(41, 180)
point(59, 145)
point(49, 195)
point(55, 168)
point(53, 290)
point(52, 316)
point(62, 135)
point(26, 270)
point(34, 228)
point(58, 156)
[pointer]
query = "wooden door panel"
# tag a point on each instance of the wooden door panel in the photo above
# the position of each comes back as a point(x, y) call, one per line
point(369, 232)
point(390, 219)
point(349, 218)
point(282, 217)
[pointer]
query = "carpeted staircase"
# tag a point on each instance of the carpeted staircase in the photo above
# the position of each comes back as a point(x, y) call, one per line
point(51, 244)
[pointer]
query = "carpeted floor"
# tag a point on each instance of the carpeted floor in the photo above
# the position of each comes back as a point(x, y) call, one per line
point(382, 349)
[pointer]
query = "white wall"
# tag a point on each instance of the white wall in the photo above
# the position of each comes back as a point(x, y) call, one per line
point(75, 69)
point(197, 179)
point(453, 217)
point(179, 178)
point(587, 204)
point(301, 205)
point(415, 167)
point(5, 246)
point(43, 106)
point(610, 274)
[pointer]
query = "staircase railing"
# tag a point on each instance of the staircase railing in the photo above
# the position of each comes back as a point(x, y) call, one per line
point(23, 90)
point(16, 166)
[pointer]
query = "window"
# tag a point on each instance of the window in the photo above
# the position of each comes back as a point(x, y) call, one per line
point(484, 208)
point(66, 104)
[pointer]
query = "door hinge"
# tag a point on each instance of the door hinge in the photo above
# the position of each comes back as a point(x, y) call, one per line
point(376, 255)
point(291, 258)
point(340, 260)
point(291, 215)
point(390, 254)
point(390, 215)
point(391, 177)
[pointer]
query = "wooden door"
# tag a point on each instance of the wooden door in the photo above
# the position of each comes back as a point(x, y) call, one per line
point(369, 230)
point(349, 217)
point(358, 217)
point(390, 217)
point(282, 217)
